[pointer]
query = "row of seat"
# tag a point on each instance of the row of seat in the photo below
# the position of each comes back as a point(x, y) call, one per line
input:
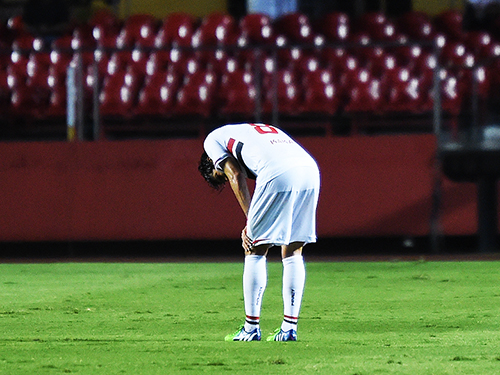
point(239, 92)
point(180, 66)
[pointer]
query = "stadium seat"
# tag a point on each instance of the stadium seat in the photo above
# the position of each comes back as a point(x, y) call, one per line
point(423, 66)
point(195, 100)
point(138, 30)
point(105, 18)
point(197, 94)
point(257, 29)
point(481, 44)
point(138, 61)
point(295, 27)
point(450, 23)
point(347, 73)
point(254, 30)
point(118, 61)
point(38, 78)
point(61, 54)
point(18, 69)
point(156, 100)
point(105, 38)
point(364, 94)
point(116, 101)
point(16, 24)
point(417, 25)
point(335, 26)
point(216, 29)
point(26, 103)
point(238, 103)
point(403, 93)
point(321, 96)
point(283, 84)
point(25, 43)
point(377, 26)
point(57, 103)
point(237, 94)
point(456, 54)
point(451, 95)
point(236, 78)
point(176, 30)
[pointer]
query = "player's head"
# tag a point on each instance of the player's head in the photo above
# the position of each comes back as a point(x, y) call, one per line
point(206, 167)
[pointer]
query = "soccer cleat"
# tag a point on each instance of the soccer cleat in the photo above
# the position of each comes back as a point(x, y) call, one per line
point(280, 335)
point(242, 335)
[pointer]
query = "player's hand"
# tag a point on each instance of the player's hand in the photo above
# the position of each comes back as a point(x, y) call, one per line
point(246, 242)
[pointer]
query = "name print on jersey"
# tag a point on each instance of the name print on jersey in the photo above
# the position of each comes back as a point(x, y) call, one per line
point(276, 141)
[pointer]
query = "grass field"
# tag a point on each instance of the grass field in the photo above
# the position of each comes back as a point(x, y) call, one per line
point(171, 318)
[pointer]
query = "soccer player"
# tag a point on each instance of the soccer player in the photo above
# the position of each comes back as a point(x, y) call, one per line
point(281, 212)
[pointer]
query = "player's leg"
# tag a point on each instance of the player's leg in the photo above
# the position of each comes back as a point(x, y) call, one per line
point(294, 276)
point(254, 286)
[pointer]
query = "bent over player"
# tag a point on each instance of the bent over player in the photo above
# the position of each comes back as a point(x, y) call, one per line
point(281, 212)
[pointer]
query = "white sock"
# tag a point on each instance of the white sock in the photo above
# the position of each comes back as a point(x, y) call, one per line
point(254, 285)
point(294, 277)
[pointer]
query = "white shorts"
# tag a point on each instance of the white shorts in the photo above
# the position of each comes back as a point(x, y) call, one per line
point(283, 210)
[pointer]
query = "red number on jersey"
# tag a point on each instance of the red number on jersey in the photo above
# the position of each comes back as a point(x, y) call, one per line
point(265, 129)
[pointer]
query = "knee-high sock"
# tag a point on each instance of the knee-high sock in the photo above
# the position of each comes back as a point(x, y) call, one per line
point(254, 285)
point(294, 277)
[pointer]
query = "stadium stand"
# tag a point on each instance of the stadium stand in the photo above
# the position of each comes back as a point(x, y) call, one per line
point(156, 73)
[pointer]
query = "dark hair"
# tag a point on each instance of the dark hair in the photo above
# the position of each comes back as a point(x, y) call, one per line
point(206, 168)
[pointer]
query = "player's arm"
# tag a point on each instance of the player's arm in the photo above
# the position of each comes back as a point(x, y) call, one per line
point(238, 180)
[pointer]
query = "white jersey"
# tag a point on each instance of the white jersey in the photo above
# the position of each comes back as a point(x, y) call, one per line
point(283, 206)
point(263, 151)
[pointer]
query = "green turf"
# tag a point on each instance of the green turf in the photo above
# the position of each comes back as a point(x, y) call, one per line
point(171, 318)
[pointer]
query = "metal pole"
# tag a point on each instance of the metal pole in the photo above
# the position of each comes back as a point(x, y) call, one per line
point(435, 218)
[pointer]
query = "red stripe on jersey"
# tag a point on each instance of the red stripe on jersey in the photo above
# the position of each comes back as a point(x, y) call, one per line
point(230, 145)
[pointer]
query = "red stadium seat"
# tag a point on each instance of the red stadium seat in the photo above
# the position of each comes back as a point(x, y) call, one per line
point(197, 94)
point(25, 103)
point(377, 26)
point(176, 29)
point(38, 79)
point(257, 29)
point(117, 101)
point(156, 100)
point(451, 96)
point(456, 54)
point(236, 78)
point(138, 61)
point(18, 69)
point(237, 94)
point(195, 100)
point(106, 18)
point(295, 27)
point(417, 25)
point(216, 29)
point(481, 44)
point(284, 85)
point(104, 37)
point(321, 96)
point(335, 26)
point(118, 61)
point(57, 103)
point(238, 102)
point(139, 30)
point(404, 93)
point(364, 94)
point(450, 23)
